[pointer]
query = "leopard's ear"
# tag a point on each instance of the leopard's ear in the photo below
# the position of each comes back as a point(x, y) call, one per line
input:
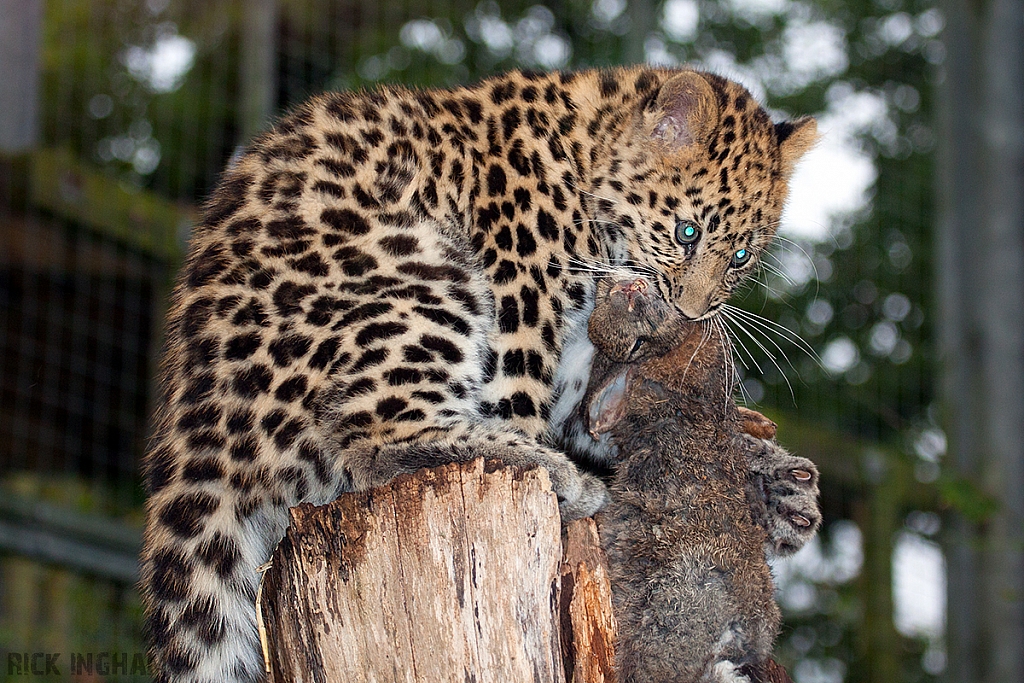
point(686, 110)
point(795, 138)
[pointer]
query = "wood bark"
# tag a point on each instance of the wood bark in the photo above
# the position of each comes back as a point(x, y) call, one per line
point(587, 623)
point(450, 574)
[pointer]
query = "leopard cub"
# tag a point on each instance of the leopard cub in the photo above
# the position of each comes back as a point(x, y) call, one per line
point(394, 279)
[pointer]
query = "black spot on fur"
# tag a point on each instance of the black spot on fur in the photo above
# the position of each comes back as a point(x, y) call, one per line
point(242, 346)
point(609, 86)
point(400, 245)
point(207, 415)
point(324, 353)
point(199, 470)
point(370, 359)
point(240, 421)
point(354, 262)
point(290, 228)
point(243, 226)
point(220, 553)
point(525, 243)
point(323, 308)
point(432, 397)
point(401, 375)
point(250, 314)
point(262, 278)
point(201, 351)
point(373, 309)
point(444, 317)
point(379, 331)
point(245, 449)
point(517, 159)
point(448, 350)
point(253, 381)
point(291, 389)
point(508, 315)
point(466, 298)
point(416, 354)
point(329, 188)
point(171, 579)
point(185, 514)
point(505, 272)
point(547, 226)
point(204, 619)
point(160, 467)
point(503, 91)
point(206, 265)
point(388, 408)
point(510, 121)
point(205, 439)
point(289, 295)
point(495, 180)
point(645, 81)
point(272, 420)
point(513, 363)
point(345, 220)
point(535, 366)
point(228, 198)
point(522, 404)
point(426, 271)
point(288, 348)
point(503, 238)
point(289, 431)
point(311, 264)
point(196, 315)
point(199, 388)
point(531, 299)
point(578, 295)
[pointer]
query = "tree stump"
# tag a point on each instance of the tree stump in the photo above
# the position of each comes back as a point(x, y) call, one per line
point(450, 574)
point(587, 622)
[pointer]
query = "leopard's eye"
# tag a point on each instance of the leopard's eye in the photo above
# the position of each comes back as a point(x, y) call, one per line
point(687, 233)
point(740, 257)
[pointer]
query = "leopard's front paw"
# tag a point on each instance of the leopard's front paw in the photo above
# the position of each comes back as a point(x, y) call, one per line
point(789, 486)
point(582, 498)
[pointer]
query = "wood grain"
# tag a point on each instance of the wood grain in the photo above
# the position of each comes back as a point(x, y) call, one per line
point(449, 574)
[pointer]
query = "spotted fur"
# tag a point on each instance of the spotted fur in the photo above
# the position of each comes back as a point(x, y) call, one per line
point(392, 279)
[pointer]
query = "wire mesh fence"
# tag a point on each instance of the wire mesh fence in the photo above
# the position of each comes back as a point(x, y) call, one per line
point(133, 108)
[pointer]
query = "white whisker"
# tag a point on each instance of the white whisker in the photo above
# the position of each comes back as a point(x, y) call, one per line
point(775, 328)
point(737, 321)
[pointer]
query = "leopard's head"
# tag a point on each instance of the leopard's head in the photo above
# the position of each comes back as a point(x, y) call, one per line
point(696, 189)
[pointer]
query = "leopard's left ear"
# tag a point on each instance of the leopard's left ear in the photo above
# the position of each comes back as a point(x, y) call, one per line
point(686, 110)
point(795, 138)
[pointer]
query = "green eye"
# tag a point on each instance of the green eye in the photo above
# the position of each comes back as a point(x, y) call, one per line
point(687, 233)
point(740, 257)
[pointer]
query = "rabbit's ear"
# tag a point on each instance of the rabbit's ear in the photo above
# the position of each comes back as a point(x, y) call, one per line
point(608, 405)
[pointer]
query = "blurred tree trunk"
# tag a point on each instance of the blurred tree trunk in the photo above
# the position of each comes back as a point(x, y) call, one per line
point(20, 36)
point(258, 67)
point(981, 296)
point(643, 19)
point(877, 514)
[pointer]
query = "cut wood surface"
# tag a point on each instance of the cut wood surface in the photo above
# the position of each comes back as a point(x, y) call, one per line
point(450, 574)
